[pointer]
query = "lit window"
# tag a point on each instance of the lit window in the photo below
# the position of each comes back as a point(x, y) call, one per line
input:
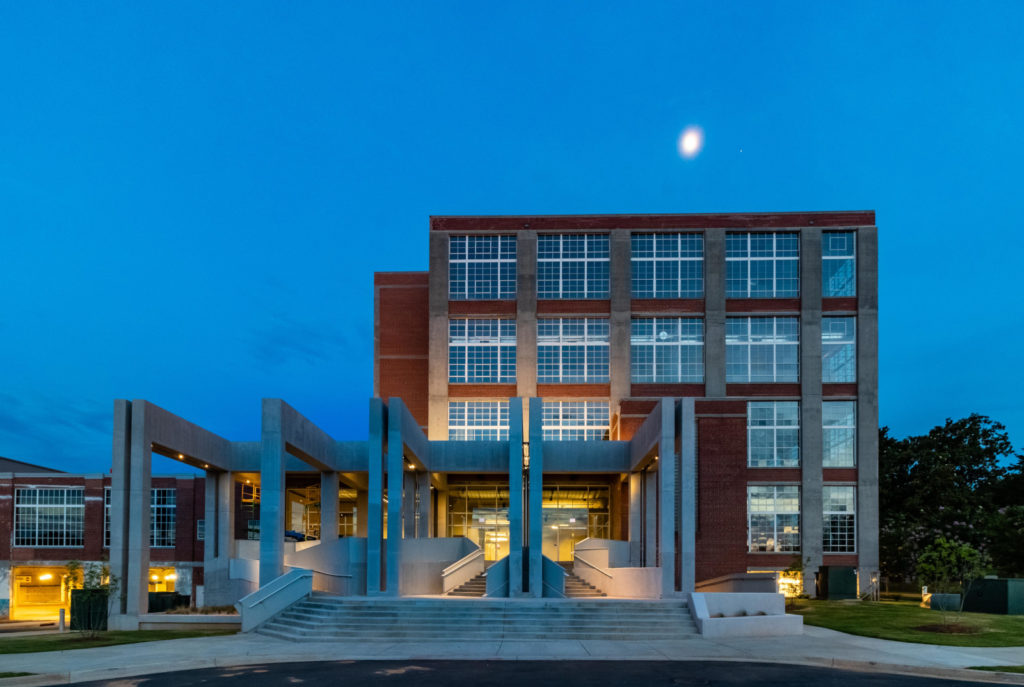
point(572, 350)
point(51, 517)
point(478, 420)
point(838, 264)
point(106, 517)
point(773, 518)
point(839, 430)
point(162, 515)
point(762, 349)
point(838, 349)
point(572, 266)
point(201, 529)
point(575, 420)
point(773, 434)
point(481, 267)
point(481, 351)
point(667, 349)
point(840, 527)
point(668, 265)
point(762, 265)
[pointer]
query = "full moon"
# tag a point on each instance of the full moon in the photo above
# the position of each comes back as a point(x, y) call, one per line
point(691, 141)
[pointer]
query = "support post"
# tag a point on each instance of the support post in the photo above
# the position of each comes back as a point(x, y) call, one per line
point(668, 497)
point(328, 506)
point(535, 500)
point(396, 470)
point(136, 582)
point(375, 498)
point(424, 507)
point(688, 496)
point(272, 493)
point(515, 496)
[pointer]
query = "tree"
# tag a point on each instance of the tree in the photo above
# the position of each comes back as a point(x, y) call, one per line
point(91, 586)
point(949, 567)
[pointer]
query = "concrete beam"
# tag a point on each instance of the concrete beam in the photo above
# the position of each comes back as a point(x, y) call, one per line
point(437, 371)
point(867, 403)
point(714, 313)
point(526, 313)
point(810, 404)
point(619, 324)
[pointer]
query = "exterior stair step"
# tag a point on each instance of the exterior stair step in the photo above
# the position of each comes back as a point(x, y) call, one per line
point(475, 587)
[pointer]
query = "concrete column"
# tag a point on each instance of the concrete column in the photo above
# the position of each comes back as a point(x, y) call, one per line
point(811, 518)
point(688, 494)
point(328, 506)
point(120, 501)
point(526, 314)
point(714, 313)
point(437, 366)
point(619, 323)
point(636, 519)
point(408, 505)
point(425, 507)
point(211, 534)
point(651, 517)
point(272, 493)
point(867, 404)
point(396, 497)
point(535, 501)
point(375, 497)
point(136, 581)
point(362, 517)
point(441, 512)
point(225, 518)
point(668, 497)
point(515, 496)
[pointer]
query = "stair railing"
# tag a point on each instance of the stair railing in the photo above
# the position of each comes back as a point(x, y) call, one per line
point(274, 597)
point(462, 571)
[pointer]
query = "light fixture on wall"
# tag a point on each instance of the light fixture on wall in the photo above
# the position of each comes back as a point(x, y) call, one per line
point(526, 455)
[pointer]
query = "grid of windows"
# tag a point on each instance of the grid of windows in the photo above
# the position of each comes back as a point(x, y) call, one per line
point(481, 267)
point(106, 517)
point(478, 420)
point(762, 349)
point(667, 349)
point(838, 264)
point(762, 265)
point(49, 518)
point(572, 350)
point(839, 431)
point(773, 518)
point(668, 265)
point(162, 514)
point(572, 266)
point(481, 351)
point(773, 434)
point(575, 420)
point(838, 349)
point(840, 527)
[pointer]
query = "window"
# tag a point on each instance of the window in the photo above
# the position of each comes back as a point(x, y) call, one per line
point(667, 349)
point(762, 265)
point(481, 267)
point(773, 518)
point(838, 264)
point(106, 517)
point(839, 430)
point(49, 517)
point(572, 266)
point(252, 530)
point(840, 527)
point(575, 420)
point(838, 349)
point(162, 509)
point(773, 434)
point(481, 351)
point(668, 265)
point(572, 350)
point(201, 529)
point(478, 420)
point(761, 349)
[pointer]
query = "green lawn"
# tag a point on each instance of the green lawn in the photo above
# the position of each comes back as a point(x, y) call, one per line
point(897, 620)
point(1000, 669)
point(73, 640)
point(3, 675)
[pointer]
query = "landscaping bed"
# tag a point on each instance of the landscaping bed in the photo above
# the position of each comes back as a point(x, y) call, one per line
point(74, 640)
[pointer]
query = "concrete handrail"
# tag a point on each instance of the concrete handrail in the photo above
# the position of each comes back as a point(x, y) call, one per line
point(269, 600)
point(465, 560)
point(604, 572)
point(462, 570)
point(553, 577)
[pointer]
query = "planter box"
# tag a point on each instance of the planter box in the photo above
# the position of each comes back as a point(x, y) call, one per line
point(944, 602)
point(89, 609)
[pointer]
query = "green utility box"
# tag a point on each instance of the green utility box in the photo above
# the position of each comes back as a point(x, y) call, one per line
point(836, 582)
point(1002, 595)
point(89, 609)
point(165, 601)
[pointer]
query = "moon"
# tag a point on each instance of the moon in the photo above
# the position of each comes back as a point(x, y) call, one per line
point(691, 141)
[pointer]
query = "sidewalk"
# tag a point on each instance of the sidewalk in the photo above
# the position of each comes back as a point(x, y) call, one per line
point(817, 646)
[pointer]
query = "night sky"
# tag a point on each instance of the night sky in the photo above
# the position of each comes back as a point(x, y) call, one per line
point(194, 196)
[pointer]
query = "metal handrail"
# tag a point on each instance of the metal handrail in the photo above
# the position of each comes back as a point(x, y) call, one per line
point(591, 565)
point(462, 562)
point(282, 587)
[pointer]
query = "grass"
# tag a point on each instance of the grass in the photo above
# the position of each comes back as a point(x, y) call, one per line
point(1000, 669)
point(898, 620)
point(9, 674)
point(73, 640)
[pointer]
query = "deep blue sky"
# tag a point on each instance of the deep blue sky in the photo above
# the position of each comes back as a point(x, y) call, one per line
point(194, 196)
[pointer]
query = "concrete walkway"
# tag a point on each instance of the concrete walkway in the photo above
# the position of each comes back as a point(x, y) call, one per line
point(817, 646)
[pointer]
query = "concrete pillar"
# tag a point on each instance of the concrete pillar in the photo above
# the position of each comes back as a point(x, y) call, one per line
point(211, 533)
point(328, 506)
point(375, 497)
point(396, 497)
point(636, 519)
point(425, 506)
point(867, 405)
point(437, 370)
point(650, 538)
point(667, 497)
point(526, 314)
point(441, 512)
point(409, 505)
point(361, 514)
point(535, 501)
point(272, 492)
point(136, 581)
point(810, 405)
point(515, 496)
point(619, 269)
point(120, 501)
point(714, 313)
point(687, 425)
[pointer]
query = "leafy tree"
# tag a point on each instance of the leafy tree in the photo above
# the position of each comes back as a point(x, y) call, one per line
point(949, 567)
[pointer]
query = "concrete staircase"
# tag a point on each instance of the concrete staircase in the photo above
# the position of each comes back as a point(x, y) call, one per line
point(576, 588)
point(322, 617)
point(475, 587)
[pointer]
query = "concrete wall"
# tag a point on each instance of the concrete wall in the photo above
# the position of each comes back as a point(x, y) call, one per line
point(743, 615)
point(423, 560)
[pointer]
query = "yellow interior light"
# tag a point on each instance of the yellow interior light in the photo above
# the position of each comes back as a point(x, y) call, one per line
point(154, 577)
point(45, 576)
point(172, 576)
